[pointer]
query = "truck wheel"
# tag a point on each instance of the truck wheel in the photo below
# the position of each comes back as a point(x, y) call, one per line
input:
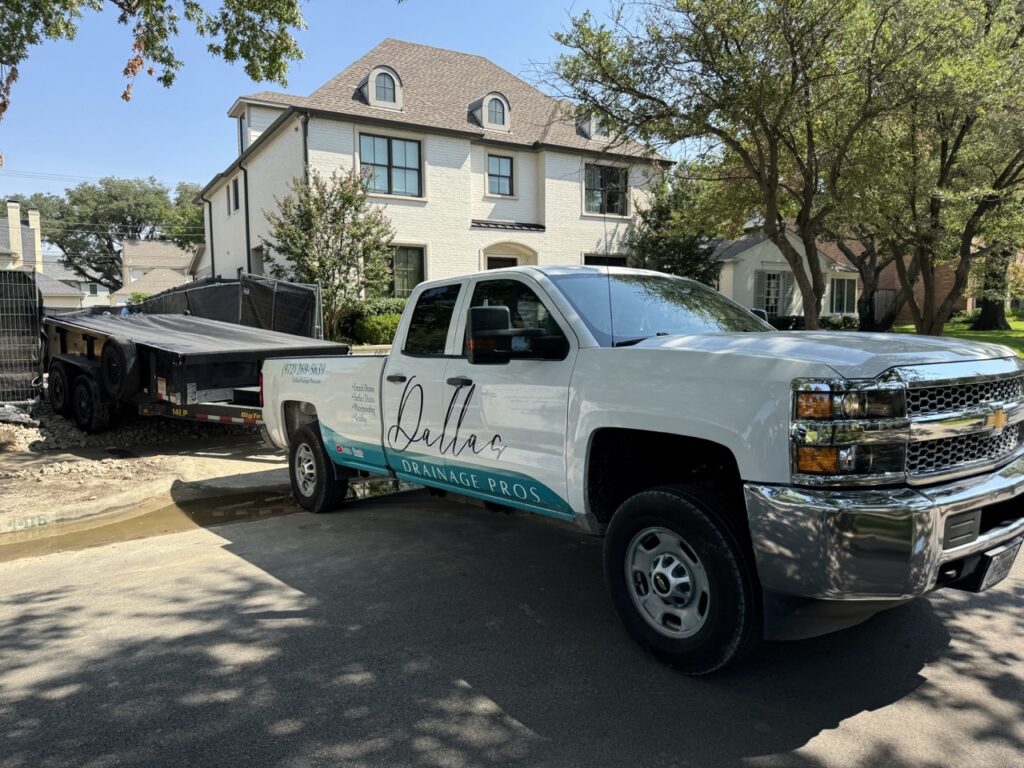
point(680, 580)
point(313, 482)
point(119, 368)
point(91, 413)
point(58, 388)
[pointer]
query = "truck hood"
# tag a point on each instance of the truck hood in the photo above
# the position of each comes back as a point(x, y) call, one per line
point(852, 355)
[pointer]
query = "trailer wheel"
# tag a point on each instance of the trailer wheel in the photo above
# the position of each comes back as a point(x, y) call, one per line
point(58, 388)
point(119, 368)
point(680, 580)
point(313, 480)
point(92, 414)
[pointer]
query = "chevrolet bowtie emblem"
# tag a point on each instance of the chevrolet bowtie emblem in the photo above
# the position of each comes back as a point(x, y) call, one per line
point(996, 420)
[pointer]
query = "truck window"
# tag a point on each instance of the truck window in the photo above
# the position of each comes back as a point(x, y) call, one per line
point(428, 326)
point(527, 312)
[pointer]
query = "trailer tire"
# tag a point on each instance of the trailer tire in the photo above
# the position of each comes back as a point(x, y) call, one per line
point(119, 368)
point(314, 484)
point(681, 580)
point(59, 388)
point(92, 413)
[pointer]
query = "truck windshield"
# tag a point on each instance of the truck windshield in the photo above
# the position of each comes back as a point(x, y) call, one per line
point(638, 306)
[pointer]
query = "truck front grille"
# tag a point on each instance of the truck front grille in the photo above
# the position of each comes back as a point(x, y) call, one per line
point(926, 401)
point(950, 453)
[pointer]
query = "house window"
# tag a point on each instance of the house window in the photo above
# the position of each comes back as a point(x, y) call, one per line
point(408, 270)
point(93, 289)
point(844, 296)
point(772, 292)
point(391, 166)
point(234, 192)
point(499, 173)
point(385, 87)
point(598, 260)
point(606, 189)
point(496, 112)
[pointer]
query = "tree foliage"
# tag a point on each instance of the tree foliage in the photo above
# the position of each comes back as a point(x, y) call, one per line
point(90, 222)
point(259, 34)
point(667, 238)
point(327, 232)
point(771, 95)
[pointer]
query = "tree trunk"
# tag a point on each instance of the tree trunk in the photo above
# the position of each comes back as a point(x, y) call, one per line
point(993, 302)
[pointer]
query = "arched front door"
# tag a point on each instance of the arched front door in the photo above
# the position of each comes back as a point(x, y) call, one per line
point(508, 254)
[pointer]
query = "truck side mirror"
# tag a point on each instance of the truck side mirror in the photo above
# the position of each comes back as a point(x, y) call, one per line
point(489, 335)
point(760, 313)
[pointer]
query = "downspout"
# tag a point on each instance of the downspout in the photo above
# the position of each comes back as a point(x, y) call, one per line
point(213, 264)
point(305, 145)
point(245, 192)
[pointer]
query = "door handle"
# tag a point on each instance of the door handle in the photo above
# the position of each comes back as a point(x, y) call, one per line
point(396, 378)
point(460, 381)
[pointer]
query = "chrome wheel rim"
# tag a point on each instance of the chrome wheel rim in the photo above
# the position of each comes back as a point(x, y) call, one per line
point(305, 470)
point(667, 583)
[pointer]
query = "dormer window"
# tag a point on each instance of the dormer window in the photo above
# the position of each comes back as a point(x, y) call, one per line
point(496, 112)
point(592, 127)
point(492, 112)
point(385, 87)
point(382, 88)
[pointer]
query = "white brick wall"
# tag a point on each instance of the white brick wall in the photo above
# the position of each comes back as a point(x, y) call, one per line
point(548, 190)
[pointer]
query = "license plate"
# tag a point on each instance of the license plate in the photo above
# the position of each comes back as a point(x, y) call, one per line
point(999, 563)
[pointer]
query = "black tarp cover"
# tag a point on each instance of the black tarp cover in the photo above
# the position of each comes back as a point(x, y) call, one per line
point(187, 335)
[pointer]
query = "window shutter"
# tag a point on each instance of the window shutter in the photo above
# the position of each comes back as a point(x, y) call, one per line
point(786, 299)
point(759, 289)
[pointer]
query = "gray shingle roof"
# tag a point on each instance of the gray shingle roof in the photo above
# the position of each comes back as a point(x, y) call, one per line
point(28, 242)
point(50, 287)
point(438, 87)
point(517, 226)
point(157, 280)
point(154, 253)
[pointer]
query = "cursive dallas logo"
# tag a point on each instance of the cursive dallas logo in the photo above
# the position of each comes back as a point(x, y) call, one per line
point(409, 432)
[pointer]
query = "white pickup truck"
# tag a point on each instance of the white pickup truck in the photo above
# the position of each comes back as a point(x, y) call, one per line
point(749, 483)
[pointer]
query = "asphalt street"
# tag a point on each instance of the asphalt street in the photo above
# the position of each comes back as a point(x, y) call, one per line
point(415, 631)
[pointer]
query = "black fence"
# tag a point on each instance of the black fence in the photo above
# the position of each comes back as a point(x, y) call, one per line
point(21, 349)
point(251, 300)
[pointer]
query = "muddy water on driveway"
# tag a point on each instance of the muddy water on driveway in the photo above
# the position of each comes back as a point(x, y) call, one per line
point(179, 516)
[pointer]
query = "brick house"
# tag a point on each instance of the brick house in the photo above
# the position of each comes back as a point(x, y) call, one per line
point(475, 168)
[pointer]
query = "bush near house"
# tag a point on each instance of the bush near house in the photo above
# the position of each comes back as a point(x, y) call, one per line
point(351, 324)
point(376, 329)
point(827, 322)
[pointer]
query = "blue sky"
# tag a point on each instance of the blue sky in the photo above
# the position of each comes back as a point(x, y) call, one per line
point(67, 122)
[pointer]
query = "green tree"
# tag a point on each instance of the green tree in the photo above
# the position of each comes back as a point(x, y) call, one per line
point(183, 224)
point(91, 221)
point(327, 232)
point(775, 93)
point(256, 32)
point(666, 238)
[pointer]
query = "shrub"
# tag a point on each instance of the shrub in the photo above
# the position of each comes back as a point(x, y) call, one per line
point(851, 323)
point(355, 312)
point(376, 329)
point(787, 322)
point(963, 316)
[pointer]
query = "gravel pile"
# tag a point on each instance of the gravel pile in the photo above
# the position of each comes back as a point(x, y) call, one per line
point(128, 430)
point(112, 469)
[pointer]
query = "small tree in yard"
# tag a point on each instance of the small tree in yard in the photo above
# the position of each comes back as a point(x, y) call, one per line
point(328, 233)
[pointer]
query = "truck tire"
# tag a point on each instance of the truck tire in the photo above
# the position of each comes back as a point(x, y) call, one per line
point(92, 413)
point(313, 479)
point(119, 368)
point(680, 579)
point(58, 388)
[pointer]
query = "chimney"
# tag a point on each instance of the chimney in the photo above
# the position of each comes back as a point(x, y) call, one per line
point(37, 235)
point(14, 232)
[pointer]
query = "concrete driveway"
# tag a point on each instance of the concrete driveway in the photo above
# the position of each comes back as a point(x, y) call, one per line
point(414, 631)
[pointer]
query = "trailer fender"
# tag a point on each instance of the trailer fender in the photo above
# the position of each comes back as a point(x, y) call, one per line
point(119, 367)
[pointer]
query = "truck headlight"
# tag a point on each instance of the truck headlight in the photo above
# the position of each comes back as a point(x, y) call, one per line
point(849, 431)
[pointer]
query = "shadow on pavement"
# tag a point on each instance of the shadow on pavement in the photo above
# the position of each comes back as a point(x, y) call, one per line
point(412, 631)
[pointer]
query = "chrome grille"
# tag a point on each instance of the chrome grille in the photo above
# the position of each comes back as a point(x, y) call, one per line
point(952, 452)
point(929, 400)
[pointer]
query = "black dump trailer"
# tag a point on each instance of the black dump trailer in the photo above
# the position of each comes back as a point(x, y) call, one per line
point(178, 366)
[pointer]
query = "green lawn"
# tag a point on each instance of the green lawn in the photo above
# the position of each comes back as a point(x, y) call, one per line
point(1013, 338)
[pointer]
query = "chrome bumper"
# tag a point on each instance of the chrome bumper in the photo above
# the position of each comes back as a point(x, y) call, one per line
point(870, 544)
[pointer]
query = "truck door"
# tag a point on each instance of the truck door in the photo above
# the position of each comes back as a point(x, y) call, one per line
point(414, 386)
point(511, 419)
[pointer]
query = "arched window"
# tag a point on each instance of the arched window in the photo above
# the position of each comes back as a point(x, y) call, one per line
point(496, 112)
point(385, 85)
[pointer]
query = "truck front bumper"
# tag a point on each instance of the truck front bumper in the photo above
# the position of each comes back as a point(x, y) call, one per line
point(880, 546)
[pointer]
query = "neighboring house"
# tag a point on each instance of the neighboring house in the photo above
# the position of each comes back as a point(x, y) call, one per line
point(93, 294)
point(151, 283)
point(21, 248)
point(757, 275)
point(139, 257)
point(475, 168)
